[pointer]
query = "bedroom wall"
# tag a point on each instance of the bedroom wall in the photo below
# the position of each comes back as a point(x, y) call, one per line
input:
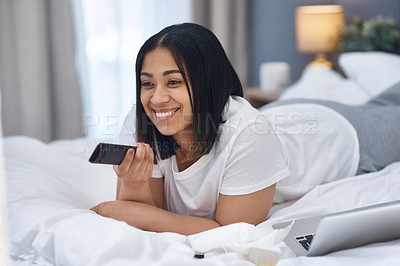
point(273, 35)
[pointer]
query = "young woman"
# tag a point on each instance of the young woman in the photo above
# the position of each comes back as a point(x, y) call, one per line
point(206, 158)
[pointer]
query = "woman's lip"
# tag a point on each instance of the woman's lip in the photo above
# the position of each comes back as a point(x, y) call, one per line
point(164, 114)
point(164, 110)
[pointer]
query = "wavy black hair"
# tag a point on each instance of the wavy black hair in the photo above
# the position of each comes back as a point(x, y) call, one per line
point(202, 61)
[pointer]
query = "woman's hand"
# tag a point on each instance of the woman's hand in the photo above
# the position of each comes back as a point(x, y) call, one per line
point(134, 174)
point(136, 168)
point(127, 211)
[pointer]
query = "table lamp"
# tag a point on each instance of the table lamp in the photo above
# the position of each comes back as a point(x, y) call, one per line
point(318, 31)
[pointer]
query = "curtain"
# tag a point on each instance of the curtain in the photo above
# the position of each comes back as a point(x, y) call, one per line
point(39, 84)
point(109, 36)
point(229, 20)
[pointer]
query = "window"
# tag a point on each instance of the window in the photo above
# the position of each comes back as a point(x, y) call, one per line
point(109, 35)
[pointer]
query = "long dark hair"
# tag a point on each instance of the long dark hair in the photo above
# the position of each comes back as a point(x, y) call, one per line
point(202, 61)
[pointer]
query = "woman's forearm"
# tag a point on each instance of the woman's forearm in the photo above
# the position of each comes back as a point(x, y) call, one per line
point(134, 174)
point(159, 220)
point(151, 218)
point(140, 192)
point(118, 188)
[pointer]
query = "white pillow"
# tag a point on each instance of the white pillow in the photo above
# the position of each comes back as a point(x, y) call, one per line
point(325, 84)
point(373, 71)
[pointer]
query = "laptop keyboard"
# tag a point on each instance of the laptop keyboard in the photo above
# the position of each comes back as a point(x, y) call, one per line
point(305, 240)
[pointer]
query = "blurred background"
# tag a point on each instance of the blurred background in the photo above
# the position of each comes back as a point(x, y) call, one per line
point(67, 66)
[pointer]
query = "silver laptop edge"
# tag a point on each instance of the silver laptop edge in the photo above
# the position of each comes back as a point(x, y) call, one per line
point(344, 230)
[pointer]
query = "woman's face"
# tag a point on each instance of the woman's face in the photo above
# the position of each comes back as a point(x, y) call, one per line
point(164, 94)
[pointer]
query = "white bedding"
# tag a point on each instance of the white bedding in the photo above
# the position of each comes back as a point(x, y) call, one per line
point(367, 75)
point(52, 186)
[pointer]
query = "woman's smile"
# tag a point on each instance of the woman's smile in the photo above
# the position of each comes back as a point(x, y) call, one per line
point(165, 114)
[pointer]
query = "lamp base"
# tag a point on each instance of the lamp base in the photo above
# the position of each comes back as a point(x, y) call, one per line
point(321, 60)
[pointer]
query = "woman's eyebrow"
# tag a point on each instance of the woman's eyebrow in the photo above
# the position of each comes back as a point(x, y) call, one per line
point(146, 74)
point(168, 72)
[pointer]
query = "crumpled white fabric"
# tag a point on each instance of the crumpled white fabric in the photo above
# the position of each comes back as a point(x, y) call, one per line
point(252, 243)
point(50, 191)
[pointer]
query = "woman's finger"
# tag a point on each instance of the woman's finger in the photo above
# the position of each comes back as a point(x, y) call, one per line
point(141, 161)
point(150, 160)
point(137, 163)
point(95, 208)
point(126, 163)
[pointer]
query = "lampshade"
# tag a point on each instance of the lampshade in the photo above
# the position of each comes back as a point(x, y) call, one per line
point(318, 28)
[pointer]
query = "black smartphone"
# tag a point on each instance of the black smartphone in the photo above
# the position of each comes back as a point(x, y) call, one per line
point(107, 153)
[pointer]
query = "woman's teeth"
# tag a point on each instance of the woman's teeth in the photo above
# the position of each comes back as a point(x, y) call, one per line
point(161, 115)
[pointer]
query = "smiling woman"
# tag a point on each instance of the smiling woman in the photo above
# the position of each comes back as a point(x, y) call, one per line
point(208, 84)
point(164, 94)
point(220, 161)
point(167, 102)
point(190, 112)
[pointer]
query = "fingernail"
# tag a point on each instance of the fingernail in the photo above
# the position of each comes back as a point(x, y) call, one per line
point(131, 152)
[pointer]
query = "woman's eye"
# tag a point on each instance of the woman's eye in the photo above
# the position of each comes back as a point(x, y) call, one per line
point(173, 82)
point(147, 84)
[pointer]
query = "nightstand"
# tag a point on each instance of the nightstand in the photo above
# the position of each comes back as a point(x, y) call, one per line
point(258, 98)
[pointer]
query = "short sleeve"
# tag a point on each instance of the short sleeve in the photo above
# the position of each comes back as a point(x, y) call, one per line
point(255, 161)
point(157, 173)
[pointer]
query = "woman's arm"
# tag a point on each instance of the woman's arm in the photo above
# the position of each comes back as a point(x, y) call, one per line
point(151, 218)
point(251, 208)
point(134, 176)
point(156, 189)
point(141, 192)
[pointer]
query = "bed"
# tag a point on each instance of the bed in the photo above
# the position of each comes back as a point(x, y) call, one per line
point(51, 187)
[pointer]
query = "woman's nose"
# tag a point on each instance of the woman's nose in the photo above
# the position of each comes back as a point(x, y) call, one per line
point(160, 95)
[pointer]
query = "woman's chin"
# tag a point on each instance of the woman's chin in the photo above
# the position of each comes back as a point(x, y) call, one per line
point(167, 132)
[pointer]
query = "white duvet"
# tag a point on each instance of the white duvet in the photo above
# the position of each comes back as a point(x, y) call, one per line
point(51, 188)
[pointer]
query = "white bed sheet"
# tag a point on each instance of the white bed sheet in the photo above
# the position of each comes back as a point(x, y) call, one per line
point(52, 186)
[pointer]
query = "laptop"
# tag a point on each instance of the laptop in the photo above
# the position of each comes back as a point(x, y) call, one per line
point(319, 235)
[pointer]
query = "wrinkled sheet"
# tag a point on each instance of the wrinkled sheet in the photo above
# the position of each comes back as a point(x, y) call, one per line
point(51, 187)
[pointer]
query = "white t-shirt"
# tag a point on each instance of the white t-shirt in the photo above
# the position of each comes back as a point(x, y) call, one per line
point(319, 145)
point(296, 146)
point(238, 164)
